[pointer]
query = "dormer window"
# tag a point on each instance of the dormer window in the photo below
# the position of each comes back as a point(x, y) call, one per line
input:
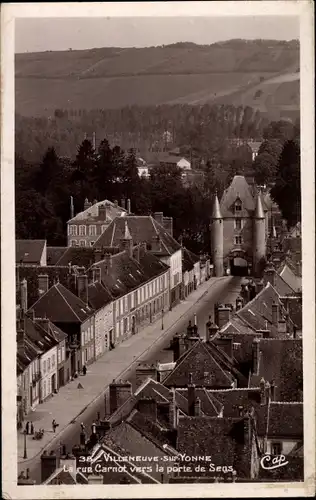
point(238, 206)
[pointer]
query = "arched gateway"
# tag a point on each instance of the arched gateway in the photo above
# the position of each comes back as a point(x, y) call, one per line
point(238, 230)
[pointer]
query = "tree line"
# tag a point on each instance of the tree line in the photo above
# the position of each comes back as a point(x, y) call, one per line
point(44, 187)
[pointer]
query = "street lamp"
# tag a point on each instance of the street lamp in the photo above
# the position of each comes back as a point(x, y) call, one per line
point(25, 451)
point(162, 312)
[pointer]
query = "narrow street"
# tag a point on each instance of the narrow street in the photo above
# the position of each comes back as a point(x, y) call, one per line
point(223, 290)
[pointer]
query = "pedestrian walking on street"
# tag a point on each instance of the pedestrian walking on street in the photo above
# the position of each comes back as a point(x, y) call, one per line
point(54, 425)
point(84, 369)
point(27, 427)
point(32, 428)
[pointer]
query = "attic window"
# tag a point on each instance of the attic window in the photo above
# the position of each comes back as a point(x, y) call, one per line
point(138, 271)
point(82, 310)
point(249, 310)
point(47, 338)
point(132, 276)
point(236, 345)
point(118, 279)
point(40, 343)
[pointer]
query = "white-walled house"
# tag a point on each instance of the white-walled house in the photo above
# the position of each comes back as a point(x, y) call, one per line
point(138, 283)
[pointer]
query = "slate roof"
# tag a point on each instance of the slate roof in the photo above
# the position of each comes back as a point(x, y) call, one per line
point(127, 274)
point(79, 256)
point(62, 476)
point(222, 438)
point(233, 399)
point(61, 306)
point(30, 273)
point(294, 282)
point(135, 443)
point(142, 229)
point(281, 361)
point(239, 188)
point(280, 285)
point(258, 312)
point(92, 213)
point(206, 371)
point(39, 337)
point(29, 251)
point(188, 259)
point(26, 354)
point(242, 349)
point(98, 295)
point(54, 254)
point(281, 420)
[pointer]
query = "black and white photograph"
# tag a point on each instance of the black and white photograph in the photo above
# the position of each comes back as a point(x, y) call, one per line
point(162, 325)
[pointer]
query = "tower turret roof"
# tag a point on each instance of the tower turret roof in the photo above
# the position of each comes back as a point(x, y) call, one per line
point(216, 213)
point(259, 213)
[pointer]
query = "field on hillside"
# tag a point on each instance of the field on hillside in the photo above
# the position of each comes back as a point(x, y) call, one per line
point(229, 72)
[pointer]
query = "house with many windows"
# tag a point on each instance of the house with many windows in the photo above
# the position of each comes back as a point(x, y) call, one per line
point(137, 281)
point(157, 233)
point(86, 227)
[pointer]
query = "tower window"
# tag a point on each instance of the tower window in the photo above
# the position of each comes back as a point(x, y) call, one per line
point(238, 206)
point(238, 224)
point(238, 240)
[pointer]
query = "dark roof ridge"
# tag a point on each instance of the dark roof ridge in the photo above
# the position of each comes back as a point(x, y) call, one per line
point(286, 402)
point(279, 340)
point(234, 389)
point(57, 288)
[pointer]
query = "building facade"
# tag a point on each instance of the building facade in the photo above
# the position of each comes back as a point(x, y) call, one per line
point(239, 230)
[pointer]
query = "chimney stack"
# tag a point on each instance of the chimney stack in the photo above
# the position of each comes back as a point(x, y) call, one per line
point(128, 206)
point(120, 392)
point(255, 356)
point(20, 338)
point(179, 346)
point(102, 212)
point(158, 216)
point(197, 408)
point(108, 261)
point(272, 390)
point(96, 275)
point(148, 406)
point(145, 371)
point(24, 305)
point(115, 203)
point(275, 314)
point(49, 464)
point(82, 284)
point(239, 303)
point(42, 284)
point(97, 254)
point(223, 314)
point(86, 204)
point(168, 225)
point(123, 203)
point(191, 396)
point(270, 274)
point(173, 409)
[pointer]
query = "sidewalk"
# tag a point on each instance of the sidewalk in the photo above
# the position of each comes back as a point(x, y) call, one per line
point(71, 401)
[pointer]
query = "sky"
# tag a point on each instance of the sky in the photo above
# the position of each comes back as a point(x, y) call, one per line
point(41, 34)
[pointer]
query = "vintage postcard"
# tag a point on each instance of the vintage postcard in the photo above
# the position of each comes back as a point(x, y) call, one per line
point(158, 249)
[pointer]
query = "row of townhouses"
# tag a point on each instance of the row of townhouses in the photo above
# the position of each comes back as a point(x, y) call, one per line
point(76, 303)
point(233, 396)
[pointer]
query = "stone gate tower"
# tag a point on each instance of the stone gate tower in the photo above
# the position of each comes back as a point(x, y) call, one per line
point(239, 229)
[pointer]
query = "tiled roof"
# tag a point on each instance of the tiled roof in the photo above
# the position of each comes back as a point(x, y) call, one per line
point(281, 361)
point(127, 274)
point(222, 438)
point(26, 354)
point(280, 285)
point(294, 282)
point(79, 256)
point(30, 273)
point(210, 405)
point(38, 336)
point(136, 444)
point(188, 259)
point(239, 188)
point(92, 213)
point(54, 254)
point(233, 399)
point(61, 306)
point(29, 251)
point(98, 295)
point(281, 419)
point(258, 312)
point(56, 332)
point(206, 371)
point(242, 350)
point(142, 229)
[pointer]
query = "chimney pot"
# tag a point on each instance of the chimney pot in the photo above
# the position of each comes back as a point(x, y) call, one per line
point(42, 284)
point(82, 284)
